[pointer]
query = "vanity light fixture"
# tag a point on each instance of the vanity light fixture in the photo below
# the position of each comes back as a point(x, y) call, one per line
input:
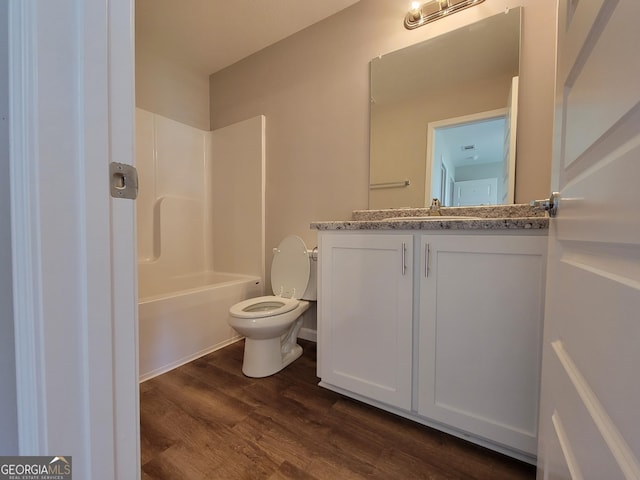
point(432, 10)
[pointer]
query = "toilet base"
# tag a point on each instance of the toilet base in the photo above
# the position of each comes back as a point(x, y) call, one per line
point(263, 358)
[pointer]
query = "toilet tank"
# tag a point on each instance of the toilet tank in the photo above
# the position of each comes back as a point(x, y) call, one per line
point(311, 293)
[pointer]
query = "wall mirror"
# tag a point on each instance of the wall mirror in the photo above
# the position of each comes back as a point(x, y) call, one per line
point(444, 117)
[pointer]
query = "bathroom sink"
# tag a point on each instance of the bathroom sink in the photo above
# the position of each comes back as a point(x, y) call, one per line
point(434, 218)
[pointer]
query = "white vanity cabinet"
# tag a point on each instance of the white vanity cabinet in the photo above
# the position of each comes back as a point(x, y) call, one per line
point(444, 329)
point(480, 320)
point(365, 334)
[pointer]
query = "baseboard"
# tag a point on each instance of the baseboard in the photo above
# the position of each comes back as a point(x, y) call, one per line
point(308, 334)
point(190, 358)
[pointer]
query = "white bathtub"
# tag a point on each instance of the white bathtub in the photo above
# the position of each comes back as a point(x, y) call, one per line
point(185, 317)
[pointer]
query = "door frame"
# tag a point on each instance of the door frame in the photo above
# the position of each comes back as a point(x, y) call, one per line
point(73, 246)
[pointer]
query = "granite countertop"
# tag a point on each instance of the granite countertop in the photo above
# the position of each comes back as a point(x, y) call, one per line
point(499, 217)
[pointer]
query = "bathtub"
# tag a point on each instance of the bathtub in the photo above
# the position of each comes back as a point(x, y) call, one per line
point(185, 317)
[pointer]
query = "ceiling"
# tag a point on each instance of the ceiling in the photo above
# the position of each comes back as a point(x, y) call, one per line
point(209, 35)
point(473, 143)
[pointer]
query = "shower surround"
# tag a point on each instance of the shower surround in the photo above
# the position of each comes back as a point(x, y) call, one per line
point(200, 217)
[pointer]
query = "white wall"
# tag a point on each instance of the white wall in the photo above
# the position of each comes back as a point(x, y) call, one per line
point(8, 402)
point(473, 172)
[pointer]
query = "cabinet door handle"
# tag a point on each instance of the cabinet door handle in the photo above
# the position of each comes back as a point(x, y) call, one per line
point(426, 259)
point(404, 255)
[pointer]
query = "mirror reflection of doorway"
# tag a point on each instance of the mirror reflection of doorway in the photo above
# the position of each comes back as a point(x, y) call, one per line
point(467, 160)
point(471, 159)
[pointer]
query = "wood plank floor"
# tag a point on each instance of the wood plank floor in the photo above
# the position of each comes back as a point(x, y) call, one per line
point(205, 420)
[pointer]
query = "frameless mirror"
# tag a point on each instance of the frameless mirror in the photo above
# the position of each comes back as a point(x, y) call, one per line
point(444, 117)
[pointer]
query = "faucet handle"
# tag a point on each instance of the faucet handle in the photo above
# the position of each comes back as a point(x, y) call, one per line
point(435, 207)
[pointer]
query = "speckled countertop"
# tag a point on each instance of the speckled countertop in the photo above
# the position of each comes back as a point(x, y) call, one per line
point(499, 217)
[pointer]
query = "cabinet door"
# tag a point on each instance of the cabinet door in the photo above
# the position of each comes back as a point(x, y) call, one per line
point(365, 315)
point(480, 332)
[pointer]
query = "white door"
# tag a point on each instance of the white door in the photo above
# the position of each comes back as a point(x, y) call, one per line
point(590, 420)
point(476, 192)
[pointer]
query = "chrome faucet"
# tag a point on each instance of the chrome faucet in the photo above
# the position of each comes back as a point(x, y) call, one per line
point(435, 207)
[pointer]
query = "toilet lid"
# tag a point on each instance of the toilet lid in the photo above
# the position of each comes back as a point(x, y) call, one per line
point(290, 268)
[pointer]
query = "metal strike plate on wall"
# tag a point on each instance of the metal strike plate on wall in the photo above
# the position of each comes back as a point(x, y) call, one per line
point(124, 180)
point(548, 205)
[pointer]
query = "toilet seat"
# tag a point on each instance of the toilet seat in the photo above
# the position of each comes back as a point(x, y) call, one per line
point(260, 307)
point(289, 278)
point(290, 268)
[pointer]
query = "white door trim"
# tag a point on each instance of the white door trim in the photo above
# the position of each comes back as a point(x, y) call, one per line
point(124, 263)
point(73, 247)
point(25, 234)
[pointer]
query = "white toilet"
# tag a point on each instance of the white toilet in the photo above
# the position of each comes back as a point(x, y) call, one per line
point(271, 323)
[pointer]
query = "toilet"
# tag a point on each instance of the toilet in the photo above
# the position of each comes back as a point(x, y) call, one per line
point(270, 324)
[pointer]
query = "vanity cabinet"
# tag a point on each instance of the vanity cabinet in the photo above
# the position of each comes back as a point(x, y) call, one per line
point(444, 329)
point(365, 333)
point(480, 318)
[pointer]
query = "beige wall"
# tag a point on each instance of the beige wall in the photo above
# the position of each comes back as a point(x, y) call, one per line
point(235, 197)
point(170, 89)
point(313, 88)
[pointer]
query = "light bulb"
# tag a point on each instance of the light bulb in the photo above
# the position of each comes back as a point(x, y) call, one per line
point(415, 10)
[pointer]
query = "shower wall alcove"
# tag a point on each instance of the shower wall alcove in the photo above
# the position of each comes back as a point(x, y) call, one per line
point(200, 220)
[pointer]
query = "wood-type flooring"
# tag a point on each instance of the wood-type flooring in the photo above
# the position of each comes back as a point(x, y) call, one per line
point(206, 420)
